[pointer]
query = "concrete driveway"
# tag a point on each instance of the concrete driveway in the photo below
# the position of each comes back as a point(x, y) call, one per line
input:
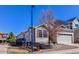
point(61, 49)
point(69, 51)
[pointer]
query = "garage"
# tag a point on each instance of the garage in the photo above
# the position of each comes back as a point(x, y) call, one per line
point(65, 38)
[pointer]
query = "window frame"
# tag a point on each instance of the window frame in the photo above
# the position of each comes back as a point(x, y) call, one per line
point(77, 25)
point(39, 34)
point(45, 35)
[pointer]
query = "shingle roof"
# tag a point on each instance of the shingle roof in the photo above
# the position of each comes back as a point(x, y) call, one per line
point(70, 20)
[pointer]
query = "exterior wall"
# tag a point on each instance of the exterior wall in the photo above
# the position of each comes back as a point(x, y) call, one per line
point(76, 36)
point(75, 22)
point(71, 24)
point(42, 40)
point(3, 36)
point(27, 37)
point(19, 36)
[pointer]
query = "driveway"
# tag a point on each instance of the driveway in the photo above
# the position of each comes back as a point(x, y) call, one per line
point(60, 49)
point(69, 51)
point(3, 48)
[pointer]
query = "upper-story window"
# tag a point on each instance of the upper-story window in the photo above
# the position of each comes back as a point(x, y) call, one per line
point(77, 25)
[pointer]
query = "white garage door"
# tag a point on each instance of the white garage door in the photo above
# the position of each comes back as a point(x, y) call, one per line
point(64, 38)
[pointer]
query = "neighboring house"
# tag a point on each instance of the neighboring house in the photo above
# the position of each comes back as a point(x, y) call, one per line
point(20, 35)
point(73, 23)
point(25, 35)
point(3, 36)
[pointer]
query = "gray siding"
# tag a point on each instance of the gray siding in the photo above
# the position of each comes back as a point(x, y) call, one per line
point(76, 36)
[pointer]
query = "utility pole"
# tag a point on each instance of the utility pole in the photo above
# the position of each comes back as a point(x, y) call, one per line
point(32, 30)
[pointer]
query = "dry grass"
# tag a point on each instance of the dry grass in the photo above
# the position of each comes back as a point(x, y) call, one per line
point(17, 51)
point(56, 47)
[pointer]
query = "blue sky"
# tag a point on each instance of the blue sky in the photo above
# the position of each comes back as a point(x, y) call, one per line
point(16, 18)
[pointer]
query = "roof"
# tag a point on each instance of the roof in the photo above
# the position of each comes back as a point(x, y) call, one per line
point(70, 20)
point(57, 21)
point(1, 33)
point(61, 22)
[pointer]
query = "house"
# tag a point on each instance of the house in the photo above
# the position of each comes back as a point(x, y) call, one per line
point(25, 35)
point(41, 35)
point(63, 37)
point(3, 36)
point(73, 23)
point(69, 34)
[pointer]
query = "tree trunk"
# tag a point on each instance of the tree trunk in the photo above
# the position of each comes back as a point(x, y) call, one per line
point(49, 40)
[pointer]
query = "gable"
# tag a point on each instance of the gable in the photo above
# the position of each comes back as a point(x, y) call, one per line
point(40, 28)
point(76, 20)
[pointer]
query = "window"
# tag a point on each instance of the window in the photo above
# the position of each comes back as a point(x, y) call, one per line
point(4, 36)
point(44, 33)
point(70, 27)
point(66, 34)
point(39, 33)
point(77, 25)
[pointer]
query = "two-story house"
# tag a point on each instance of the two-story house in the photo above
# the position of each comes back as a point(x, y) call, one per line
point(73, 23)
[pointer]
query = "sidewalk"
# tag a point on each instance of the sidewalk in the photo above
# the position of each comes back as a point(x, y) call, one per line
point(69, 51)
point(76, 45)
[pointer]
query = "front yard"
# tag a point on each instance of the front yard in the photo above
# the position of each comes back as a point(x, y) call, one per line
point(56, 47)
point(16, 51)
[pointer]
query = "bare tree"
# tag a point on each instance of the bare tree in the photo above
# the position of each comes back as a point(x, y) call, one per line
point(51, 24)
